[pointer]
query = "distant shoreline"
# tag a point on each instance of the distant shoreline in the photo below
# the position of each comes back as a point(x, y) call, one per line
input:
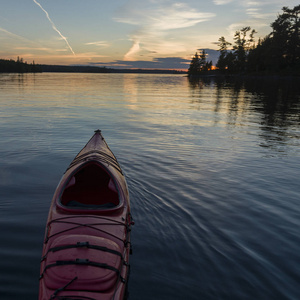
point(20, 67)
point(91, 69)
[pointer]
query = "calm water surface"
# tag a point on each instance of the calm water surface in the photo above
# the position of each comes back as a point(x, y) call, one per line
point(213, 168)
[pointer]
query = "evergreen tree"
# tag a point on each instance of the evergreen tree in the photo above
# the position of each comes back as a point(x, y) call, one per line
point(280, 50)
point(286, 39)
point(235, 60)
point(208, 66)
point(194, 68)
point(202, 60)
point(199, 64)
point(242, 47)
point(222, 63)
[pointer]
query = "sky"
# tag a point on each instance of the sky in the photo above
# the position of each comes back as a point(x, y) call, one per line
point(156, 34)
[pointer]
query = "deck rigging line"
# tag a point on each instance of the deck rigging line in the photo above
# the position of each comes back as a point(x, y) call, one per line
point(78, 261)
point(90, 225)
point(53, 296)
point(104, 157)
point(83, 245)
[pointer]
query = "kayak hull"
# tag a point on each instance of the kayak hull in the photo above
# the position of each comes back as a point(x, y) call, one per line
point(87, 239)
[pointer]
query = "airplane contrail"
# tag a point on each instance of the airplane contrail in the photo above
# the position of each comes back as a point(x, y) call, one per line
point(54, 27)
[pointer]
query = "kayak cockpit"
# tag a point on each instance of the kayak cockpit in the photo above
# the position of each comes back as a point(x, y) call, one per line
point(90, 187)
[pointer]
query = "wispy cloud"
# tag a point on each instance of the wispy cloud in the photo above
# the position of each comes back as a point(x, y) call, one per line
point(54, 27)
point(25, 43)
point(249, 2)
point(257, 14)
point(99, 44)
point(11, 34)
point(254, 24)
point(155, 26)
point(133, 50)
point(42, 49)
point(157, 63)
point(222, 2)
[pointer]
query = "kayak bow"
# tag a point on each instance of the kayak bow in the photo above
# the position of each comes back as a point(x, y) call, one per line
point(87, 239)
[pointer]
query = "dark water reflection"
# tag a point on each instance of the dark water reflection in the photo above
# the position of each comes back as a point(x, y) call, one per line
point(274, 100)
point(213, 170)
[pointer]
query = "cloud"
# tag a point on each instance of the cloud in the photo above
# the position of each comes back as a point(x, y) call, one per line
point(53, 26)
point(37, 49)
point(176, 63)
point(12, 34)
point(254, 8)
point(165, 17)
point(133, 50)
point(256, 14)
point(258, 25)
point(156, 24)
point(248, 2)
point(222, 2)
point(99, 44)
point(178, 15)
point(25, 43)
point(253, 3)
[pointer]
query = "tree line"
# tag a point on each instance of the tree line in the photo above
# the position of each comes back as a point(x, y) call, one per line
point(18, 66)
point(278, 52)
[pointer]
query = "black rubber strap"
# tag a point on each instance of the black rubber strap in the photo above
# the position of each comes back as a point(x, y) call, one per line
point(84, 245)
point(78, 261)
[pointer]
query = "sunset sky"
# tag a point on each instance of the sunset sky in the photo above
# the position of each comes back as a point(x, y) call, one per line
point(126, 33)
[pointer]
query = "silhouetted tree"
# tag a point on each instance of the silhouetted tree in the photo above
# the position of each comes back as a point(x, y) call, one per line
point(286, 39)
point(204, 64)
point(208, 65)
point(18, 66)
point(194, 68)
point(242, 47)
point(280, 50)
point(223, 62)
point(235, 60)
point(202, 60)
point(199, 64)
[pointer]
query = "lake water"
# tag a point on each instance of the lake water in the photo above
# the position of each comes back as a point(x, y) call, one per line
point(213, 169)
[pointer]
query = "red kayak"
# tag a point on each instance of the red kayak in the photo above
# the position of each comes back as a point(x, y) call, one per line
point(87, 240)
